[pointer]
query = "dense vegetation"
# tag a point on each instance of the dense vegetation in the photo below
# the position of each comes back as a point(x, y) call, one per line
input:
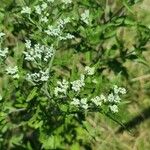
point(69, 68)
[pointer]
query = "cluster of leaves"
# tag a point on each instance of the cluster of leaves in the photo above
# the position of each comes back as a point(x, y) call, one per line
point(53, 40)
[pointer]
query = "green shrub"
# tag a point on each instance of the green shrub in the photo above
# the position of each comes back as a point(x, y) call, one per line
point(62, 60)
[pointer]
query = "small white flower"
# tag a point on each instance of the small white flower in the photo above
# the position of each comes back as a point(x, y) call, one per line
point(111, 97)
point(38, 52)
point(85, 106)
point(44, 6)
point(75, 102)
point(122, 90)
point(50, 1)
point(13, 71)
point(116, 89)
point(44, 19)
point(89, 70)
point(97, 101)
point(114, 98)
point(61, 88)
point(44, 75)
point(85, 16)
point(16, 76)
point(38, 9)
point(53, 31)
point(78, 84)
point(28, 44)
point(69, 36)
point(26, 10)
point(67, 1)
point(3, 53)
point(117, 99)
point(62, 22)
point(40, 76)
point(119, 90)
point(114, 108)
point(83, 103)
point(103, 98)
point(33, 77)
point(2, 34)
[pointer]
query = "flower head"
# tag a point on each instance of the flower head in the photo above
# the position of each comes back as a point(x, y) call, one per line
point(66, 1)
point(37, 77)
point(114, 108)
point(75, 102)
point(3, 52)
point(83, 103)
point(85, 16)
point(13, 71)
point(80, 103)
point(89, 70)
point(78, 84)
point(38, 52)
point(61, 88)
point(97, 101)
point(2, 34)
point(26, 10)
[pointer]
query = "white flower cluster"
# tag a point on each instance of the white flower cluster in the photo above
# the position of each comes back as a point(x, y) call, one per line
point(2, 34)
point(67, 1)
point(50, 1)
point(57, 31)
point(44, 18)
point(13, 71)
point(111, 100)
point(85, 16)
point(26, 10)
point(41, 11)
point(114, 108)
point(40, 8)
point(89, 70)
point(62, 22)
point(38, 52)
point(114, 98)
point(40, 76)
point(68, 36)
point(78, 84)
point(3, 52)
point(119, 90)
point(53, 31)
point(98, 100)
point(80, 103)
point(61, 88)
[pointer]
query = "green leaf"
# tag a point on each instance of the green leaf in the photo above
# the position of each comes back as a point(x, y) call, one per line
point(32, 94)
point(127, 6)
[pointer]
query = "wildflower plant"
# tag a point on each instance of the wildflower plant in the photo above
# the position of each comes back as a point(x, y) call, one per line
point(59, 70)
